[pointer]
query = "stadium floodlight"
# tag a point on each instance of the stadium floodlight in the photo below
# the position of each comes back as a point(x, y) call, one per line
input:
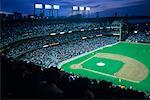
point(75, 8)
point(56, 7)
point(87, 8)
point(48, 6)
point(81, 8)
point(38, 6)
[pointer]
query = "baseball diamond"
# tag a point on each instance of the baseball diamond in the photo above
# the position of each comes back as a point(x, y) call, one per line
point(77, 49)
point(123, 63)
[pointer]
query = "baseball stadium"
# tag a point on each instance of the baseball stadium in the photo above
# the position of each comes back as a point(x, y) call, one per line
point(77, 49)
point(122, 63)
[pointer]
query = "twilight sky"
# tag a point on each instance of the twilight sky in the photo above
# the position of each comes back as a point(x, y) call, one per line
point(105, 7)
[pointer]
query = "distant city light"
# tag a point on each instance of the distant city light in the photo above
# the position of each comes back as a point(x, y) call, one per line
point(88, 9)
point(81, 8)
point(39, 6)
point(56, 7)
point(48, 6)
point(75, 8)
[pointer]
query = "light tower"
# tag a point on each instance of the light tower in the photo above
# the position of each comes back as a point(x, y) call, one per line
point(38, 6)
point(81, 10)
point(49, 8)
point(88, 11)
point(56, 7)
point(74, 10)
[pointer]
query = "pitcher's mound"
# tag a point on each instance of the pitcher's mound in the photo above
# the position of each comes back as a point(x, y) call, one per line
point(100, 64)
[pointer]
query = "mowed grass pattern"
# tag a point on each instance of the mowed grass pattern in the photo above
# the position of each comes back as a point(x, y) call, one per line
point(140, 52)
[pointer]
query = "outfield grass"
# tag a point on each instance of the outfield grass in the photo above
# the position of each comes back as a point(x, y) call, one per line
point(140, 52)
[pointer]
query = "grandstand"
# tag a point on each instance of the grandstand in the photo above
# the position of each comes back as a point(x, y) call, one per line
point(103, 57)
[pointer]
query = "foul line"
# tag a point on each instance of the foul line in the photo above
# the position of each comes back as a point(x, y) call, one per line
point(108, 75)
point(86, 60)
point(98, 72)
point(86, 53)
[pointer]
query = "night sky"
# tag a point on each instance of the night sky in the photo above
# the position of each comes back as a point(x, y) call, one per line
point(105, 7)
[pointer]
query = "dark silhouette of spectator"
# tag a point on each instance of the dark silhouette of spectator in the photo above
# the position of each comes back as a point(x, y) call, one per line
point(49, 88)
point(21, 80)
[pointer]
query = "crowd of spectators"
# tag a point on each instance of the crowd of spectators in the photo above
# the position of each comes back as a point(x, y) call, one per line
point(15, 32)
point(40, 42)
point(52, 56)
point(139, 37)
point(23, 80)
point(11, 32)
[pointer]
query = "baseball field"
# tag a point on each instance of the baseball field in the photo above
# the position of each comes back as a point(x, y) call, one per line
point(125, 64)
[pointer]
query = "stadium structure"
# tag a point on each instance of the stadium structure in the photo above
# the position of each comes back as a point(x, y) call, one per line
point(105, 57)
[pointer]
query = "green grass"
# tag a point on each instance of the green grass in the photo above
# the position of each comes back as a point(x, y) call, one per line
point(111, 66)
point(140, 52)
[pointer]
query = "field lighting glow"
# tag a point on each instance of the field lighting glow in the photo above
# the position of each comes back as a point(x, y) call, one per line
point(88, 9)
point(56, 6)
point(48, 6)
point(75, 8)
point(39, 6)
point(81, 8)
